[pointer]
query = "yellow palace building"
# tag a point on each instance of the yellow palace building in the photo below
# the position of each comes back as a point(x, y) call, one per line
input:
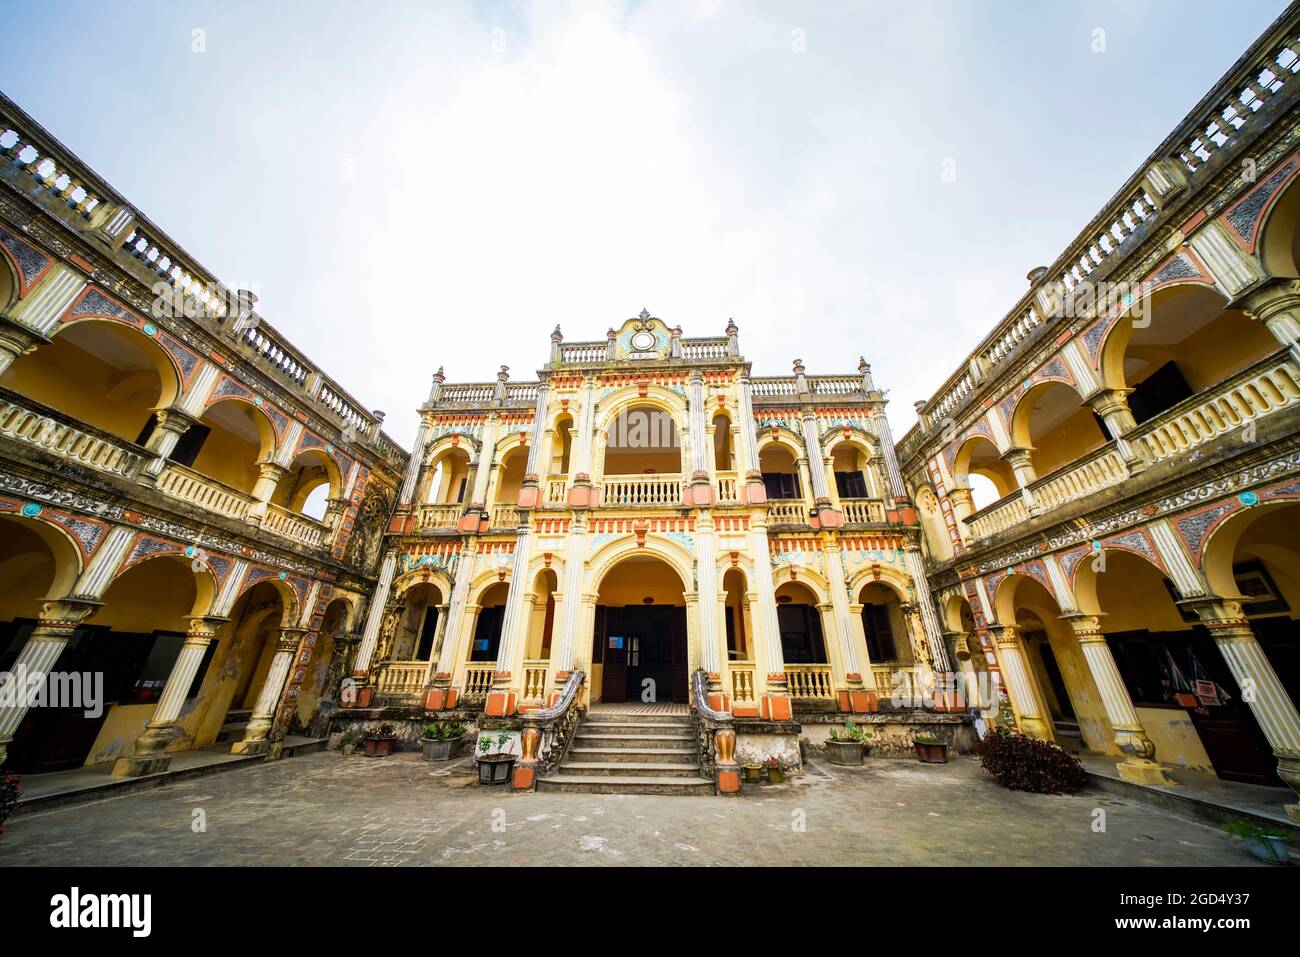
point(646, 510)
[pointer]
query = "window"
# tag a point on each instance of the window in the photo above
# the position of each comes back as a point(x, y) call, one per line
point(487, 634)
point(1161, 390)
point(782, 485)
point(801, 634)
point(851, 484)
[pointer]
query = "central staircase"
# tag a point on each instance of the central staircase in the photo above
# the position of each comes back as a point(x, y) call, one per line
point(630, 754)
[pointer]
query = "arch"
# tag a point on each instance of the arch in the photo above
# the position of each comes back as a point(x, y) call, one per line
point(10, 282)
point(541, 622)
point(883, 621)
point(641, 434)
point(310, 471)
point(1055, 424)
point(626, 398)
point(1262, 533)
point(724, 450)
point(1279, 229)
point(418, 576)
point(206, 586)
point(611, 553)
point(20, 556)
point(509, 479)
point(417, 622)
point(978, 456)
point(105, 373)
point(238, 436)
point(334, 622)
point(288, 596)
point(561, 449)
point(781, 436)
point(737, 621)
point(447, 475)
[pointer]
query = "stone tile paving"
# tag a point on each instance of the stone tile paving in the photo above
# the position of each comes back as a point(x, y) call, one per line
point(326, 809)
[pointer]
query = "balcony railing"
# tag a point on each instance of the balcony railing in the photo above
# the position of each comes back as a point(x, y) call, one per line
point(742, 682)
point(295, 526)
point(439, 516)
point(728, 491)
point(402, 680)
point(641, 491)
point(504, 516)
point(863, 511)
point(810, 681)
point(478, 679)
point(31, 423)
point(1263, 389)
point(185, 484)
point(792, 511)
point(535, 680)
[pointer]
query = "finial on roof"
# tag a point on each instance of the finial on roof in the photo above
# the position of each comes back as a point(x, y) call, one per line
point(557, 336)
point(644, 313)
point(504, 374)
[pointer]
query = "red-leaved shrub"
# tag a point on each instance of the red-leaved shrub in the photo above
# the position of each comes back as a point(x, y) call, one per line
point(1027, 764)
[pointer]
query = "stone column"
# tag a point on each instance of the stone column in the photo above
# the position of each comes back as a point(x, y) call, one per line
point(1023, 467)
point(581, 494)
point(33, 320)
point(755, 493)
point(1277, 305)
point(530, 495)
point(812, 442)
point(170, 426)
point(931, 627)
point(1259, 684)
point(700, 491)
point(1131, 738)
point(469, 522)
point(268, 480)
point(59, 620)
point(375, 615)
point(856, 696)
point(564, 641)
point(712, 641)
point(1112, 406)
point(149, 755)
point(1020, 683)
point(416, 462)
point(504, 696)
point(442, 694)
point(775, 703)
point(16, 340)
point(259, 725)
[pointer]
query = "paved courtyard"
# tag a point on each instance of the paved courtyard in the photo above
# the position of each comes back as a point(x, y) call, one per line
point(323, 808)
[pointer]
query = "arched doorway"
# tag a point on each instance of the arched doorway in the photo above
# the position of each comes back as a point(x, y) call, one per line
point(639, 648)
point(417, 626)
point(242, 661)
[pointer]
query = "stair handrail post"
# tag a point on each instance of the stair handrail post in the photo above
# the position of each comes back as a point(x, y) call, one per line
point(546, 734)
point(715, 738)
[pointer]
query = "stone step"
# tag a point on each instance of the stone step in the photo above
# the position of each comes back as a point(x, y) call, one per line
point(634, 755)
point(585, 784)
point(605, 717)
point(641, 769)
point(584, 740)
point(642, 727)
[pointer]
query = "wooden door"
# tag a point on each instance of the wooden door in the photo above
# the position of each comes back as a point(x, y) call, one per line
point(613, 682)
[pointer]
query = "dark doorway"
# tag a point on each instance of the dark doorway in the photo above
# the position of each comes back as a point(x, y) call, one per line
point(427, 631)
point(801, 634)
point(638, 644)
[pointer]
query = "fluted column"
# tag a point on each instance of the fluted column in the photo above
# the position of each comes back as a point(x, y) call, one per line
point(56, 625)
point(581, 494)
point(375, 614)
point(1277, 305)
point(443, 695)
point(1111, 406)
point(149, 755)
point(701, 491)
point(259, 725)
point(858, 695)
point(930, 623)
point(469, 522)
point(1023, 467)
point(504, 696)
point(706, 576)
point(530, 495)
point(170, 425)
point(1020, 683)
point(755, 492)
point(1269, 702)
point(1130, 737)
point(775, 704)
point(563, 651)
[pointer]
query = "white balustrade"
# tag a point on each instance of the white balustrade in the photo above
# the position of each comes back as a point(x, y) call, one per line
point(641, 490)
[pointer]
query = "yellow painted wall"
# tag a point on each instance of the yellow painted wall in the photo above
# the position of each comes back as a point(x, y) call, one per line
point(1175, 738)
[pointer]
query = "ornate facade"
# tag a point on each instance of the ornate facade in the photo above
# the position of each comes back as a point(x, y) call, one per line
point(1110, 482)
point(643, 510)
point(190, 511)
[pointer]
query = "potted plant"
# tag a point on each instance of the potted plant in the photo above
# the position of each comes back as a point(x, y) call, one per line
point(931, 750)
point(752, 767)
point(1267, 844)
point(776, 769)
point(348, 742)
point(9, 792)
point(380, 742)
point(846, 746)
point(495, 767)
point(441, 741)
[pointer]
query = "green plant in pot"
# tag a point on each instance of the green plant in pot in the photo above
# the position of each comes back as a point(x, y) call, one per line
point(931, 750)
point(442, 740)
point(348, 742)
point(1266, 843)
point(495, 766)
point(846, 746)
point(381, 741)
point(776, 767)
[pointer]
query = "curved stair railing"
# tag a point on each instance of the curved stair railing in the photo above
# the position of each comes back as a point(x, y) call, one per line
point(546, 734)
point(715, 738)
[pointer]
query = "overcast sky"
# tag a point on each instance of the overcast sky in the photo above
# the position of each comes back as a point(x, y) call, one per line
point(408, 185)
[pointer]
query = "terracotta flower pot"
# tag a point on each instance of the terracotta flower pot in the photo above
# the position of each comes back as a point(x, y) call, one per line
point(379, 747)
point(931, 753)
